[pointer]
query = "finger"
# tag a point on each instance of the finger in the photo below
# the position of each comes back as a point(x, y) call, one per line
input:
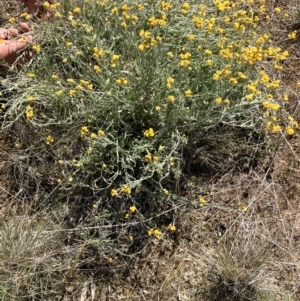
point(33, 6)
point(9, 49)
point(24, 27)
point(3, 34)
point(13, 31)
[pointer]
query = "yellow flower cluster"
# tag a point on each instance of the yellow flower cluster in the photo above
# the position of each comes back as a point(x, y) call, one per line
point(122, 80)
point(202, 201)
point(84, 130)
point(149, 133)
point(26, 16)
point(172, 227)
point(125, 189)
point(166, 5)
point(271, 105)
point(185, 58)
point(221, 73)
point(170, 81)
point(152, 21)
point(148, 40)
point(115, 58)
point(185, 8)
point(155, 232)
point(150, 158)
point(49, 139)
point(29, 112)
point(98, 52)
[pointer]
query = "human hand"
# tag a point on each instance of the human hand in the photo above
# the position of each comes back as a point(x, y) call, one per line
point(34, 7)
point(11, 43)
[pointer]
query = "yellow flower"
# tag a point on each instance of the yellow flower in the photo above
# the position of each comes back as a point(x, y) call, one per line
point(49, 139)
point(77, 10)
point(289, 130)
point(202, 201)
point(46, 4)
point(29, 112)
point(218, 100)
point(185, 7)
point(171, 98)
point(125, 189)
point(277, 9)
point(97, 69)
point(244, 207)
point(271, 105)
point(166, 5)
point(227, 102)
point(170, 82)
point(165, 191)
point(149, 133)
point(70, 180)
point(188, 93)
point(140, 7)
point(53, 76)
point(30, 98)
point(110, 260)
point(93, 135)
point(233, 80)
point(170, 54)
point(172, 228)
point(114, 192)
point(59, 92)
point(275, 128)
point(122, 80)
point(292, 35)
point(89, 150)
point(57, 14)
point(154, 232)
point(72, 92)
point(83, 131)
point(191, 37)
point(11, 20)
point(70, 80)
point(58, 181)
point(148, 157)
point(132, 208)
point(64, 60)
point(36, 48)
point(141, 47)
point(101, 133)
point(31, 75)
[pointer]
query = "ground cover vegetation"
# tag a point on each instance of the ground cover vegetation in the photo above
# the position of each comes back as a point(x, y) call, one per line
point(107, 118)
